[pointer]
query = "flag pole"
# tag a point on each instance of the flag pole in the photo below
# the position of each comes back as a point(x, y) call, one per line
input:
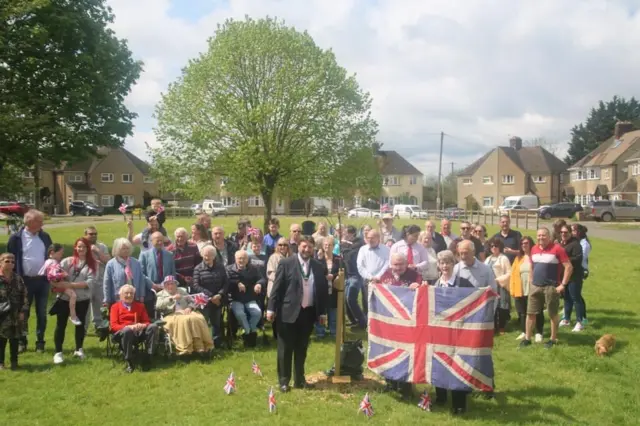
point(338, 286)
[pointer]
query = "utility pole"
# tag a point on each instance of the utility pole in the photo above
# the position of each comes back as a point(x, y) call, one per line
point(439, 190)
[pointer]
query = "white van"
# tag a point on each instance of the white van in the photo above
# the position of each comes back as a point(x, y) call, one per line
point(519, 202)
point(214, 208)
point(408, 211)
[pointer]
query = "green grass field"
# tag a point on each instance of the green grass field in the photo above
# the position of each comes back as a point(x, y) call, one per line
point(566, 385)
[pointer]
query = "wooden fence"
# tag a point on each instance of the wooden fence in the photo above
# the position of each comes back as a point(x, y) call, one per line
point(525, 219)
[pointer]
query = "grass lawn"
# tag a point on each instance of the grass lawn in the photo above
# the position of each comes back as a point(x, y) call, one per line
point(623, 226)
point(566, 385)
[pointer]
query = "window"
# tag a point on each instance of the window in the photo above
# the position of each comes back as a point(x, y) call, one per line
point(106, 201)
point(127, 178)
point(487, 202)
point(255, 201)
point(28, 174)
point(508, 180)
point(129, 200)
point(561, 178)
point(413, 180)
point(487, 180)
point(149, 179)
point(27, 197)
point(224, 180)
point(593, 174)
point(106, 177)
point(391, 181)
point(467, 181)
point(541, 179)
point(388, 200)
point(231, 201)
point(76, 178)
point(605, 174)
point(635, 169)
point(356, 201)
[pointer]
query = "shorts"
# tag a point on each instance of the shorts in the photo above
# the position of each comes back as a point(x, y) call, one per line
point(538, 296)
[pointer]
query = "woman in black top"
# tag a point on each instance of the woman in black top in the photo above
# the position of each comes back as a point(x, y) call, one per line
point(573, 293)
point(332, 263)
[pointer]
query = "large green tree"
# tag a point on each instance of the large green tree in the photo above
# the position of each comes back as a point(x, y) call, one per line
point(269, 109)
point(600, 125)
point(64, 76)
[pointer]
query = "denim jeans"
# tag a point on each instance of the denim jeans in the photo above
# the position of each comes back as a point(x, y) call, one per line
point(573, 297)
point(38, 290)
point(332, 318)
point(247, 314)
point(355, 287)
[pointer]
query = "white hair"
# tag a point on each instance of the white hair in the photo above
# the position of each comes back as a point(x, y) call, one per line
point(33, 214)
point(446, 256)
point(118, 245)
point(399, 256)
point(180, 231)
point(209, 248)
point(126, 287)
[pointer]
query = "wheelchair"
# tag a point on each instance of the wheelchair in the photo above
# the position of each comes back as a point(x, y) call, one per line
point(231, 326)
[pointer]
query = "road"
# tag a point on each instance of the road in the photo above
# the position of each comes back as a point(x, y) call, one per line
point(602, 230)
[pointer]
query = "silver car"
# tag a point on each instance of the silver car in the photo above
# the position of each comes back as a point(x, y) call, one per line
point(608, 210)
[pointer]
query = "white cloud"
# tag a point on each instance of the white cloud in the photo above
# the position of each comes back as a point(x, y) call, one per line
point(479, 70)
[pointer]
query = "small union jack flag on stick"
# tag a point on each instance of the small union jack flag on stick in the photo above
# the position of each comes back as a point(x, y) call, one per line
point(272, 401)
point(200, 300)
point(365, 406)
point(425, 401)
point(230, 386)
point(123, 210)
point(256, 368)
point(160, 209)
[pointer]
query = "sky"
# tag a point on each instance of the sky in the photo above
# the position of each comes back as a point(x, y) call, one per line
point(480, 71)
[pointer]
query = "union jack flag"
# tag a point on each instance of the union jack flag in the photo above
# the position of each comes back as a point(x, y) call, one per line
point(272, 401)
point(123, 208)
point(160, 209)
point(365, 406)
point(425, 401)
point(256, 368)
point(230, 386)
point(200, 300)
point(442, 336)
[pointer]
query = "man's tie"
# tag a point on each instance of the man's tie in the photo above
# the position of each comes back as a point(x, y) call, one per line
point(159, 265)
point(305, 285)
point(409, 255)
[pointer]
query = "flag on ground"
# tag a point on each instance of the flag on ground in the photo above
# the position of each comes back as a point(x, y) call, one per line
point(442, 336)
point(230, 386)
point(425, 401)
point(272, 401)
point(365, 406)
point(256, 368)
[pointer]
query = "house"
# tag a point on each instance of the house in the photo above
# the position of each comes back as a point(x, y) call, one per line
point(604, 172)
point(402, 184)
point(98, 180)
point(630, 188)
point(512, 170)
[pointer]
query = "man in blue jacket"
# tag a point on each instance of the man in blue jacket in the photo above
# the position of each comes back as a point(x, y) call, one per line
point(30, 246)
point(156, 263)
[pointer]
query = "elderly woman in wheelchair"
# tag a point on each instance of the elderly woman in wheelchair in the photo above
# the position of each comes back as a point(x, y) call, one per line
point(186, 327)
point(131, 326)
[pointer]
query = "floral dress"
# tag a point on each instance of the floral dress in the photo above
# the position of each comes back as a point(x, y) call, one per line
point(14, 292)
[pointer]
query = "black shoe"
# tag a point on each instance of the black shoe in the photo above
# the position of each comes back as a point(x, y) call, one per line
point(253, 339)
point(245, 340)
point(284, 388)
point(489, 395)
point(524, 343)
point(15, 366)
point(458, 411)
point(550, 344)
point(390, 387)
point(129, 367)
point(40, 347)
point(303, 385)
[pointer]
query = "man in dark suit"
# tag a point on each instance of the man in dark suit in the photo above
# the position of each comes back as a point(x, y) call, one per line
point(299, 297)
point(438, 243)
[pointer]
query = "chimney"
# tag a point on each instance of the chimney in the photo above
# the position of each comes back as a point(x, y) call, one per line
point(515, 142)
point(622, 127)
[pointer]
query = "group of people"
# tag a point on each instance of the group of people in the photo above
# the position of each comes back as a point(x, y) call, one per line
point(181, 286)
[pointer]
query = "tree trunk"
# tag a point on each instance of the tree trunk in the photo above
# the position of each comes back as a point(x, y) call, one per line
point(36, 184)
point(267, 197)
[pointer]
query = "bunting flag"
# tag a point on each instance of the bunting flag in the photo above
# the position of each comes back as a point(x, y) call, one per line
point(230, 386)
point(200, 300)
point(256, 368)
point(272, 401)
point(365, 406)
point(425, 401)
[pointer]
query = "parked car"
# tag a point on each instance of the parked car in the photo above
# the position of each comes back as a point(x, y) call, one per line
point(214, 208)
point(196, 208)
point(13, 208)
point(320, 211)
point(529, 202)
point(453, 213)
point(608, 210)
point(567, 210)
point(363, 212)
point(408, 211)
point(85, 208)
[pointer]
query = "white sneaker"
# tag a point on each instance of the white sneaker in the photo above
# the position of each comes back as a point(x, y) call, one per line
point(521, 336)
point(538, 338)
point(565, 323)
point(75, 321)
point(58, 358)
point(79, 354)
point(578, 328)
